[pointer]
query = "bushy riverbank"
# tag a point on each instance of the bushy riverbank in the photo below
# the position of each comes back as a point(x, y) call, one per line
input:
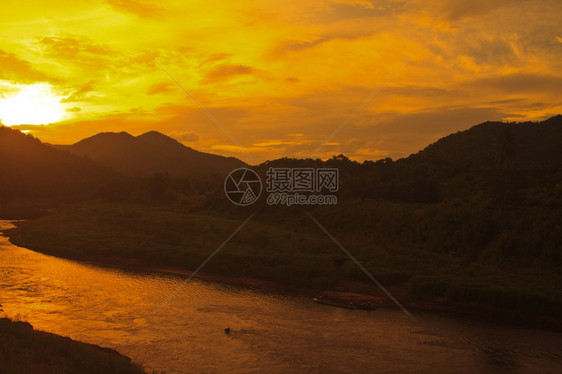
point(297, 254)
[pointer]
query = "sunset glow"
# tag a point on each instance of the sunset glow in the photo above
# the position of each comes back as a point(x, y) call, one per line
point(32, 105)
point(267, 70)
point(297, 186)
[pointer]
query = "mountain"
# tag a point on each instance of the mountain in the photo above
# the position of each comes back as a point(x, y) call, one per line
point(498, 161)
point(150, 153)
point(495, 155)
point(31, 171)
point(520, 144)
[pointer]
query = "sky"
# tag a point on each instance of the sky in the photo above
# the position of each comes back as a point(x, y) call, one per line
point(260, 80)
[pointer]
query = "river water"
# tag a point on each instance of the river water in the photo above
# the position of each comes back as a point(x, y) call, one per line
point(270, 333)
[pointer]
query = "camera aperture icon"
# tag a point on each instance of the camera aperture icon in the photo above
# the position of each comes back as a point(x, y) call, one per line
point(242, 186)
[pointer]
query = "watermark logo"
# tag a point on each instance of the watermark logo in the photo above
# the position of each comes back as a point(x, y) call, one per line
point(302, 180)
point(285, 186)
point(302, 186)
point(242, 186)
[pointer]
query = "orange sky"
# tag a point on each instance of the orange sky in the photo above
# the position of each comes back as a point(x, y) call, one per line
point(279, 76)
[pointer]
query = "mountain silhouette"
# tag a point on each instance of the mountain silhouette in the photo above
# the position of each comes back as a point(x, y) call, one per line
point(501, 156)
point(35, 177)
point(493, 160)
point(29, 168)
point(488, 144)
point(149, 153)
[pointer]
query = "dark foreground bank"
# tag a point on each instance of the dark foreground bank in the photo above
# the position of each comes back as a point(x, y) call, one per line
point(25, 350)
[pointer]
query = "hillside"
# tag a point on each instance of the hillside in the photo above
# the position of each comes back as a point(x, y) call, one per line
point(507, 163)
point(32, 171)
point(150, 153)
point(496, 155)
point(491, 143)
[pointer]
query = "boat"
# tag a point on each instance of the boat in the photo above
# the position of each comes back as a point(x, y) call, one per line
point(339, 304)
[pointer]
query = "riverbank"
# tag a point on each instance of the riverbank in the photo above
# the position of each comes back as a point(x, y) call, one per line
point(270, 258)
point(26, 350)
point(360, 295)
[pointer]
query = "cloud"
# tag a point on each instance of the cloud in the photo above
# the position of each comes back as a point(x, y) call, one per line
point(454, 10)
point(80, 94)
point(413, 90)
point(351, 10)
point(438, 120)
point(143, 9)
point(370, 153)
point(21, 71)
point(78, 51)
point(8, 89)
point(348, 30)
point(299, 45)
point(520, 83)
point(274, 143)
point(216, 57)
point(77, 54)
point(160, 88)
point(226, 71)
point(233, 148)
point(187, 136)
point(489, 50)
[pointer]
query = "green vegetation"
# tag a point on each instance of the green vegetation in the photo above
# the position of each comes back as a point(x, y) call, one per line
point(24, 350)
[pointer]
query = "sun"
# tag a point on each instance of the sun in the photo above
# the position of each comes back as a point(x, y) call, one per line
point(32, 104)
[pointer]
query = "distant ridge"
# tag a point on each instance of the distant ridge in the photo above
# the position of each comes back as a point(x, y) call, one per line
point(150, 153)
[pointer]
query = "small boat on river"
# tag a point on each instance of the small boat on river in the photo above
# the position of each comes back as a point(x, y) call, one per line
point(336, 303)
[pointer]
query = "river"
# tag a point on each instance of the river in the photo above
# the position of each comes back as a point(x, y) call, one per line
point(270, 333)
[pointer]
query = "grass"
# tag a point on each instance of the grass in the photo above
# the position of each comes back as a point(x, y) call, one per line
point(24, 350)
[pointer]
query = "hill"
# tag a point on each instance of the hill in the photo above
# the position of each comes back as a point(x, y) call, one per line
point(509, 163)
point(495, 155)
point(31, 171)
point(150, 153)
point(492, 143)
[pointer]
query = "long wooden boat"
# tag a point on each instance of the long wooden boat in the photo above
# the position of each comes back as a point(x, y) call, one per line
point(339, 304)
